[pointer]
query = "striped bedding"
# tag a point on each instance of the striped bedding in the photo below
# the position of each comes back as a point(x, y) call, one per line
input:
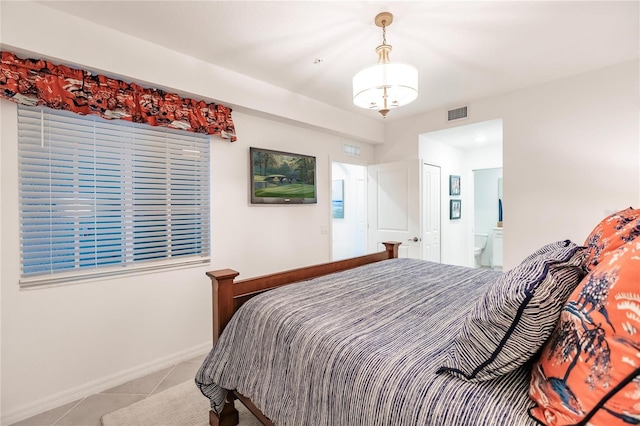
point(361, 347)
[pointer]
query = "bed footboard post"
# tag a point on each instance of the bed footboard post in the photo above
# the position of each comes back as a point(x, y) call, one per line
point(222, 299)
point(228, 417)
point(392, 248)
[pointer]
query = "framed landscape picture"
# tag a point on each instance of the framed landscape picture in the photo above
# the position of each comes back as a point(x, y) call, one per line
point(282, 177)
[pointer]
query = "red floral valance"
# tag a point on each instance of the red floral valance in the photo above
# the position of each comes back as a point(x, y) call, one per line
point(38, 82)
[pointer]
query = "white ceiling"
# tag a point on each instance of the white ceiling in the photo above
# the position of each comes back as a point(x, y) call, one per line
point(464, 50)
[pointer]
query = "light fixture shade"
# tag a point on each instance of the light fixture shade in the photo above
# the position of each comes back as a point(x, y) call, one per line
point(399, 80)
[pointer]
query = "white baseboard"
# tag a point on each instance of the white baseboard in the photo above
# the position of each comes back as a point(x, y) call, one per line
point(61, 398)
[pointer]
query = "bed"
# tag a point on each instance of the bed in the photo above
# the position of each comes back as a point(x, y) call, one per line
point(372, 341)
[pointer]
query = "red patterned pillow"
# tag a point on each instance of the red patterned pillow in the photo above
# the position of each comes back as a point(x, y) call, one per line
point(612, 231)
point(589, 369)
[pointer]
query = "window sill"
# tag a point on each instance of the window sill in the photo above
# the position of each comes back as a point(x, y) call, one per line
point(64, 279)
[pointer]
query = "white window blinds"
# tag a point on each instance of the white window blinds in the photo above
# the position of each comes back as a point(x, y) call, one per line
point(99, 197)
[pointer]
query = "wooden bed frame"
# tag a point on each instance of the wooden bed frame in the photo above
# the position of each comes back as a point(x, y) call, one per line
point(228, 295)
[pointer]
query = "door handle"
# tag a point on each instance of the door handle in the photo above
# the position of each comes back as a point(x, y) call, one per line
point(414, 239)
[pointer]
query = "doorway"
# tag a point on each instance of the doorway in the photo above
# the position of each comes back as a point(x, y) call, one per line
point(487, 207)
point(348, 210)
point(458, 151)
point(394, 210)
point(373, 204)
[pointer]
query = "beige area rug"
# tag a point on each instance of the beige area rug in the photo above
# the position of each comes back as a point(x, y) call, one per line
point(181, 405)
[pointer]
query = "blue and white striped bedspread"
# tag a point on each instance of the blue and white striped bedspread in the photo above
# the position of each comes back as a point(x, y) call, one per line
point(361, 347)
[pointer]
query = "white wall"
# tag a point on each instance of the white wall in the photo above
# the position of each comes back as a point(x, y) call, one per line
point(484, 157)
point(571, 153)
point(65, 342)
point(35, 30)
point(60, 343)
point(259, 239)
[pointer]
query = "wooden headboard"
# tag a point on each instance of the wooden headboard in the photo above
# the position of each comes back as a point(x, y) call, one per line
point(228, 295)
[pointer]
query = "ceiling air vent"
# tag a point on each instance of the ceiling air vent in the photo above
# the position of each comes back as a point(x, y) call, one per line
point(457, 114)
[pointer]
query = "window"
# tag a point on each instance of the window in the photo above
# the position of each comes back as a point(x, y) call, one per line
point(99, 197)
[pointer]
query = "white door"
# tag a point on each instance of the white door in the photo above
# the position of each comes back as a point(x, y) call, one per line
point(394, 207)
point(431, 212)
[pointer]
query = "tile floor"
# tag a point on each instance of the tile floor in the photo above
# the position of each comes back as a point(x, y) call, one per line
point(89, 410)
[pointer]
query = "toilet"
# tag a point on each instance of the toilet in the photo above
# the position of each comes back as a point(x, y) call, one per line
point(479, 244)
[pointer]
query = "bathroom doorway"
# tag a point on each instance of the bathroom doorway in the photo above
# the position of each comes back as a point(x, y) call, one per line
point(458, 151)
point(487, 221)
point(348, 210)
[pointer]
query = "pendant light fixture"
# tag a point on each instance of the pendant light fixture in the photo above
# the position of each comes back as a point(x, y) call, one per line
point(385, 85)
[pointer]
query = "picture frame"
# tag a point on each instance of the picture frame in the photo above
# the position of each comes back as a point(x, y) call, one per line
point(337, 199)
point(455, 209)
point(454, 185)
point(278, 177)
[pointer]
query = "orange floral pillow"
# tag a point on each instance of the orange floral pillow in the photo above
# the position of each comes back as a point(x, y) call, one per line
point(589, 369)
point(612, 231)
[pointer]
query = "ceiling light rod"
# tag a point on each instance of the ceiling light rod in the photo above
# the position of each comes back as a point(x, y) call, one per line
point(385, 85)
point(382, 20)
